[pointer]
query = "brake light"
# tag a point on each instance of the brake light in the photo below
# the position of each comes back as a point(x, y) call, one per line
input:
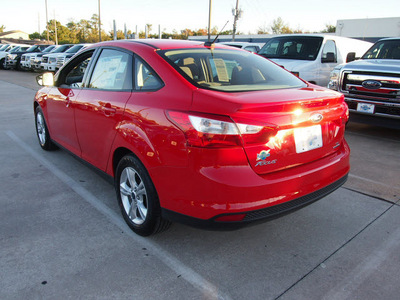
point(204, 130)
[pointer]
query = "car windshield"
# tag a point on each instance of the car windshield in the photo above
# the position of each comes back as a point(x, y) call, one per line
point(303, 48)
point(18, 48)
point(389, 49)
point(229, 70)
point(32, 48)
point(2, 48)
point(48, 49)
point(61, 49)
point(74, 49)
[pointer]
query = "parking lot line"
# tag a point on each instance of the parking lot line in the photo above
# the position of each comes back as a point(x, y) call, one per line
point(209, 290)
point(370, 180)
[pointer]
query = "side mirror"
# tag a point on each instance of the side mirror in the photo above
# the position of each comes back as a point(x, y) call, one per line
point(330, 58)
point(351, 56)
point(45, 79)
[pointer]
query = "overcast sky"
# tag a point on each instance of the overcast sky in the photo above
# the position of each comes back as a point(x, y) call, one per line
point(30, 15)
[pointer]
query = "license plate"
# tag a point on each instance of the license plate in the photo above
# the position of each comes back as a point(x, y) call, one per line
point(308, 138)
point(366, 108)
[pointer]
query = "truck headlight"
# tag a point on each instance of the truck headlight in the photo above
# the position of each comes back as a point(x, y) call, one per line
point(334, 80)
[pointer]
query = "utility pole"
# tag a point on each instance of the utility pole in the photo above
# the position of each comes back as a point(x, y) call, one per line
point(55, 27)
point(209, 21)
point(99, 24)
point(115, 31)
point(237, 13)
point(47, 23)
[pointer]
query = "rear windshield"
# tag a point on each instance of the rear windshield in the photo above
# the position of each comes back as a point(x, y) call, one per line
point(230, 70)
point(389, 49)
point(303, 48)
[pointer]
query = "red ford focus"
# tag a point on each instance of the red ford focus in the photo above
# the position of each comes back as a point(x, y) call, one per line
point(204, 135)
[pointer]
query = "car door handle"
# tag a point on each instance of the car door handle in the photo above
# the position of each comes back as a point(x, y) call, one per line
point(108, 110)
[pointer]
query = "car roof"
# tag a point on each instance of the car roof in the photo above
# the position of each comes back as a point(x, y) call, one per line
point(159, 44)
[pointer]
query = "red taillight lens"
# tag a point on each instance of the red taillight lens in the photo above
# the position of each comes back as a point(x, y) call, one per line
point(206, 130)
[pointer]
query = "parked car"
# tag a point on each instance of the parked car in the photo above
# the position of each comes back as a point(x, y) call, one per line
point(252, 47)
point(13, 50)
point(9, 47)
point(63, 57)
point(202, 134)
point(28, 58)
point(36, 60)
point(371, 85)
point(49, 61)
point(312, 56)
point(12, 60)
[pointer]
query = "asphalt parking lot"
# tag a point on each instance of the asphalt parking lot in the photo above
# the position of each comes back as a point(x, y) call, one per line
point(62, 235)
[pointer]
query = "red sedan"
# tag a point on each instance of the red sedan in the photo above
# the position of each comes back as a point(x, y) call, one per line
point(202, 134)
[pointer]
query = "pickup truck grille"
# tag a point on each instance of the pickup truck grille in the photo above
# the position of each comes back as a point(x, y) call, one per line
point(371, 85)
point(60, 62)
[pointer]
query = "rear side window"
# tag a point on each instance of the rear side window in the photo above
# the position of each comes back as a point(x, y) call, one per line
point(145, 77)
point(113, 71)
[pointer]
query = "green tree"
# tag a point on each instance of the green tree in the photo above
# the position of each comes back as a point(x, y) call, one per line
point(62, 32)
point(279, 27)
point(262, 30)
point(2, 28)
point(36, 36)
point(329, 29)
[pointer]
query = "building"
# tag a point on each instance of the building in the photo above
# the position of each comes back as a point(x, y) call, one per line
point(370, 30)
point(14, 34)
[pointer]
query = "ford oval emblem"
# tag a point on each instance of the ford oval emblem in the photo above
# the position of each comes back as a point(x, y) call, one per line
point(371, 84)
point(316, 118)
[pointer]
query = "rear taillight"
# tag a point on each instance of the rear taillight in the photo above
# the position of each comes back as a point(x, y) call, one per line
point(204, 130)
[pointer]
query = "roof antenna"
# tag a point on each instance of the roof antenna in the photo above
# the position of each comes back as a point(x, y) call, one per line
point(209, 44)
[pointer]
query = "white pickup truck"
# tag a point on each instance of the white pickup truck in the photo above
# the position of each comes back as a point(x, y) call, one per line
point(312, 57)
point(371, 85)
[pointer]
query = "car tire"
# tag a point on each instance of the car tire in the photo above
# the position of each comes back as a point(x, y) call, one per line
point(18, 66)
point(137, 197)
point(42, 132)
point(2, 64)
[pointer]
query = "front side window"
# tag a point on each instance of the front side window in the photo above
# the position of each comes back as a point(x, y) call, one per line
point(329, 51)
point(304, 48)
point(230, 70)
point(72, 74)
point(113, 71)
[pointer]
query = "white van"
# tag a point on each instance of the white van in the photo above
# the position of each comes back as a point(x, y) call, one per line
point(312, 57)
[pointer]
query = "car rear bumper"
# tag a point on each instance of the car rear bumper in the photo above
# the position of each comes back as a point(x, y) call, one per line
point(206, 193)
point(255, 215)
